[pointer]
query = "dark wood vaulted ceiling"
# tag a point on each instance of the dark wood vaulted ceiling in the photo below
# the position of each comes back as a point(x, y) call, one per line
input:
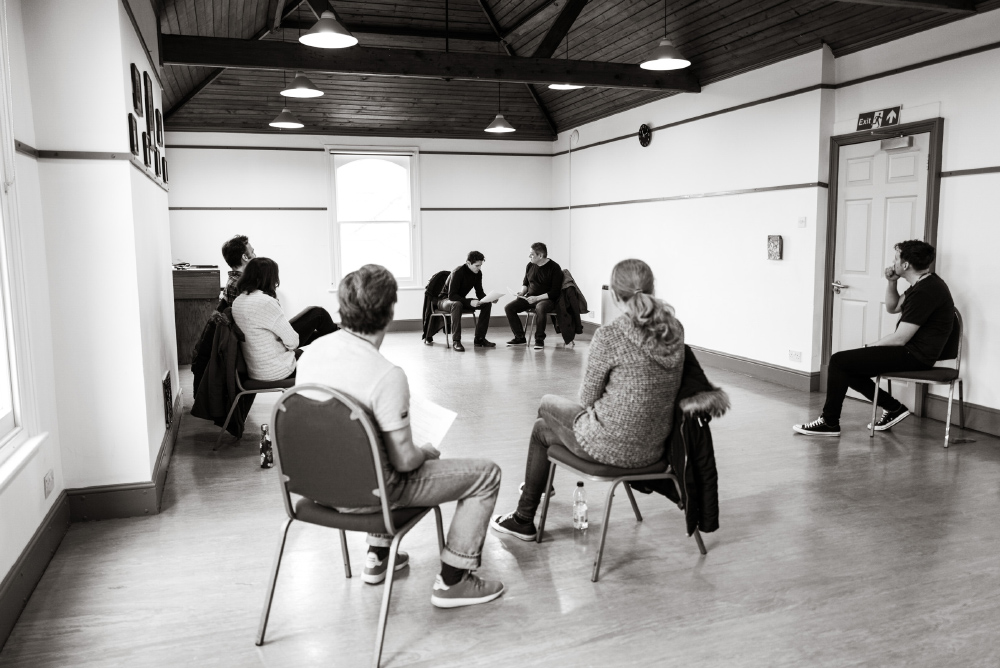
point(722, 38)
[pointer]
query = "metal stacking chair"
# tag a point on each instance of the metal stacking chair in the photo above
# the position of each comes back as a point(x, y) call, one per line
point(529, 322)
point(330, 454)
point(446, 320)
point(561, 456)
point(936, 376)
point(247, 385)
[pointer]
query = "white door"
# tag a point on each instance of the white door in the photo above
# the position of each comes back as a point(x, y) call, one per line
point(881, 200)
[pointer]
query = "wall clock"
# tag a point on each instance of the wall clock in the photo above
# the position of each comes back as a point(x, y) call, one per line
point(645, 135)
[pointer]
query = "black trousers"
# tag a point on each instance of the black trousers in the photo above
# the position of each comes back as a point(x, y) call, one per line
point(460, 307)
point(312, 323)
point(542, 310)
point(855, 369)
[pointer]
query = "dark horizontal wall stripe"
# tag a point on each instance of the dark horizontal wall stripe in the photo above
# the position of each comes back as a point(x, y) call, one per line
point(84, 155)
point(245, 148)
point(922, 64)
point(503, 155)
point(970, 172)
point(247, 208)
point(25, 149)
point(724, 193)
point(491, 208)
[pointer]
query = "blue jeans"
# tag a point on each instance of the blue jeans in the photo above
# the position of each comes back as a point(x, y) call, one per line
point(474, 483)
point(554, 426)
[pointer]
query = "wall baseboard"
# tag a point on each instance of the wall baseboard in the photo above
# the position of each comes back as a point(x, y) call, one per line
point(977, 418)
point(797, 380)
point(27, 571)
point(418, 326)
point(135, 499)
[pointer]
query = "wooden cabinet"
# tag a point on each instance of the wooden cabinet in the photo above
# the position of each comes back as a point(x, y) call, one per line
point(196, 296)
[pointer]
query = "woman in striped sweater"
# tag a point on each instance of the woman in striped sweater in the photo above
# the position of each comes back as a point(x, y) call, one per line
point(272, 342)
point(626, 405)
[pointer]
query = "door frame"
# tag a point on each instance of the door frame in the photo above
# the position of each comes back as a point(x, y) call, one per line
point(934, 126)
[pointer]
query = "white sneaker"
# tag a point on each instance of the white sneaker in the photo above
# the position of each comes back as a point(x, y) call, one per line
point(470, 590)
point(375, 570)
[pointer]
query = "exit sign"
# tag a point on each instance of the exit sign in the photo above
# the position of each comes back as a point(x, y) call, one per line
point(878, 119)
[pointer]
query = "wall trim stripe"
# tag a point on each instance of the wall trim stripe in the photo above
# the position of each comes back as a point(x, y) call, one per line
point(491, 208)
point(723, 193)
point(244, 148)
point(247, 208)
point(25, 149)
point(924, 63)
point(970, 172)
point(506, 155)
point(27, 571)
point(32, 152)
point(135, 499)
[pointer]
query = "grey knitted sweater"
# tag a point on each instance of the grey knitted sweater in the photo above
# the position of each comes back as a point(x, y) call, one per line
point(628, 395)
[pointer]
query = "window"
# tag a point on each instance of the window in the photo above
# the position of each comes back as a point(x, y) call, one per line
point(376, 218)
point(7, 421)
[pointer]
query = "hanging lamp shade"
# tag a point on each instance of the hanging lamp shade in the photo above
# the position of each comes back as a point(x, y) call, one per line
point(301, 86)
point(565, 86)
point(286, 120)
point(665, 57)
point(500, 124)
point(328, 33)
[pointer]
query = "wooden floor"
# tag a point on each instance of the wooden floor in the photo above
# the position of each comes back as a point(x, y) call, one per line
point(849, 552)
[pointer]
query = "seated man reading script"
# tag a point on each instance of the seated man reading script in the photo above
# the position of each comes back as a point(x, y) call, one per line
point(349, 361)
point(542, 285)
point(466, 277)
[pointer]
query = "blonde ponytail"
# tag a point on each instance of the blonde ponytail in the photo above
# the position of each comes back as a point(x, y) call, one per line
point(632, 283)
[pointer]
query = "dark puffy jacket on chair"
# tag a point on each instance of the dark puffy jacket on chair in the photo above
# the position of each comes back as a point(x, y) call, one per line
point(435, 291)
point(217, 387)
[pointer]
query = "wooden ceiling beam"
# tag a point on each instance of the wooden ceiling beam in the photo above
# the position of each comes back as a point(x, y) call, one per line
point(527, 17)
point(946, 6)
point(560, 28)
point(273, 55)
point(400, 31)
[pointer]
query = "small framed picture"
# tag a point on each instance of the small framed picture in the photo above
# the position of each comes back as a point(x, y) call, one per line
point(166, 179)
point(136, 90)
point(156, 161)
point(146, 150)
point(133, 135)
point(774, 247)
point(159, 128)
point(148, 99)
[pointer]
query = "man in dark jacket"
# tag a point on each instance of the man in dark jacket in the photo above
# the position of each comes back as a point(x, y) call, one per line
point(466, 277)
point(540, 290)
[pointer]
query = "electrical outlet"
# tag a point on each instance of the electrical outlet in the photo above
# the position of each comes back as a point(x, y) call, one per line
point(802, 221)
point(794, 355)
point(48, 483)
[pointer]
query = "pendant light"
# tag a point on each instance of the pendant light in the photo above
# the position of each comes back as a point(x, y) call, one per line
point(565, 86)
point(286, 120)
point(301, 86)
point(499, 124)
point(328, 33)
point(665, 56)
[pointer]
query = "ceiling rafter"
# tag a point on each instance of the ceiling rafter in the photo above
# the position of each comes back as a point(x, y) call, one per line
point(946, 6)
point(560, 28)
point(527, 17)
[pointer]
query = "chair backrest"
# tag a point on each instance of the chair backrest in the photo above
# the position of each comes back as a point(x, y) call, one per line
point(436, 284)
point(953, 347)
point(329, 451)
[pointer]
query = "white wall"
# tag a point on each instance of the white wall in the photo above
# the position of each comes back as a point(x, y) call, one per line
point(299, 241)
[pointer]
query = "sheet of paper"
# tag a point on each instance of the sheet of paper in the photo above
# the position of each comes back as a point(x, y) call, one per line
point(429, 421)
point(492, 297)
point(513, 293)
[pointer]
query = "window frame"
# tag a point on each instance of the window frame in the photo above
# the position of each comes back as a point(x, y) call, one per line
point(416, 252)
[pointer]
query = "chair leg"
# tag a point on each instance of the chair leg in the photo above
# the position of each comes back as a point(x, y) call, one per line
point(269, 597)
point(384, 614)
point(871, 430)
point(631, 498)
point(440, 527)
point(604, 531)
point(947, 419)
point(347, 556)
point(545, 503)
point(961, 405)
point(701, 543)
point(236, 402)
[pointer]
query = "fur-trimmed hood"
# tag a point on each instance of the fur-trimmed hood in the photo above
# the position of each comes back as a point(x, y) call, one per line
point(714, 402)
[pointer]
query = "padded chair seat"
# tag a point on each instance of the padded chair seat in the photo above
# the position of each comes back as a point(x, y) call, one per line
point(562, 455)
point(935, 375)
point(251, 384)
point(309, 511)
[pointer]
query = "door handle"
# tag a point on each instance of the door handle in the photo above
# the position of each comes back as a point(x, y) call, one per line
point(838, 286)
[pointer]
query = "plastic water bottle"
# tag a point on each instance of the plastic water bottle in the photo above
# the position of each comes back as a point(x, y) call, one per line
point(580, 507)
point(266, 454)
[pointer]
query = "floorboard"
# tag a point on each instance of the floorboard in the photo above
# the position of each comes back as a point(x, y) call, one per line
point(832, 552)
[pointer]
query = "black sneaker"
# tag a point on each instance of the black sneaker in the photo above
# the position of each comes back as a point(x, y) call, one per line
point(457, 345)
point(518, 341)
point(888, 418)
point(510, 525)
point(483, 343)
point(429, 342)
point(539, 345)
point(817, 427)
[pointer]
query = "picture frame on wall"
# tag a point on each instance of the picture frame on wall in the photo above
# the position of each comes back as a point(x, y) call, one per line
point(156, 161)
point(159, 128)
point(148, 99)
point(166, 178)
point(133, 135)
point(146, 157)
point(136, 90)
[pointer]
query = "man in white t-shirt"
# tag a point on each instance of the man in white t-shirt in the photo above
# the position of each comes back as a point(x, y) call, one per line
point(349, 361)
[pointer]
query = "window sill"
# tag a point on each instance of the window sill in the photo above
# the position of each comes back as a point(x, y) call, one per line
point(22, 453)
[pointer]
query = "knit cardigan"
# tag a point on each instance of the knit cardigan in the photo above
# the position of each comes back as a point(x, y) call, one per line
point(270, 343)
point(628, 395)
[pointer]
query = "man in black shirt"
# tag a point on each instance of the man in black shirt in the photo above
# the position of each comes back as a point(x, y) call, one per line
point(928, 314)
point(468, 276)
point(542, 285)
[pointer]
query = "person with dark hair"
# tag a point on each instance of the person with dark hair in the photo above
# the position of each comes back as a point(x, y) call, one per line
point(349, 361)
point(540, 291)
point(272, 341)
point(928, 314)
point(466, 277)
point(236, 252)
point(626, 406)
